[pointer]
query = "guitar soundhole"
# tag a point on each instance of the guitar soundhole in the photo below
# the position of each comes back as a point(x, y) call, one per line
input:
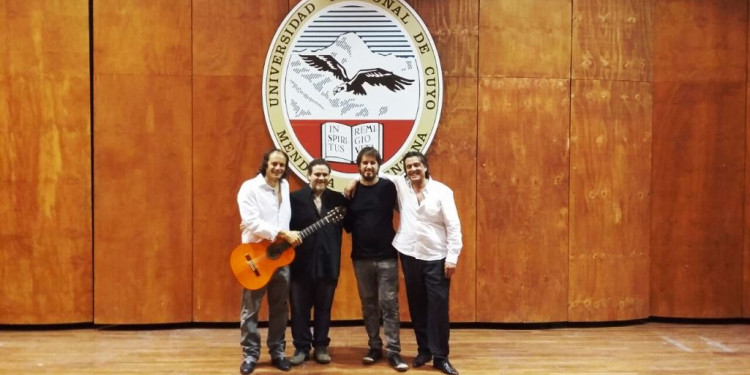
point(274, 251)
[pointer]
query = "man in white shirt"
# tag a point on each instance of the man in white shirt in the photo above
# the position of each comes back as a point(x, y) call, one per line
point(429, 242)
point(265, 211)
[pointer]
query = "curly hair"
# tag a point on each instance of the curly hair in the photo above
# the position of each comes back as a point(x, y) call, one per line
point(264, 163)
point(422, 159)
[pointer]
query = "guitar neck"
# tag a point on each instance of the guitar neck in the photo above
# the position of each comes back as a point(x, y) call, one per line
point(312, 228)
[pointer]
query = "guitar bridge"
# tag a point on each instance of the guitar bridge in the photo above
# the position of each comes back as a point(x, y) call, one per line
point(252, 265)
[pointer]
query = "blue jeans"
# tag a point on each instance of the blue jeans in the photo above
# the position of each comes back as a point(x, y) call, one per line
point(377, 282)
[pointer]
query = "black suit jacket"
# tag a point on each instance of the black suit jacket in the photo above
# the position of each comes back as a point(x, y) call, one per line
point(319, 255)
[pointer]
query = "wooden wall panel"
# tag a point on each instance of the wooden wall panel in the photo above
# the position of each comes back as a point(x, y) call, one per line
point(612, 40)
point(228, 144)
point(5, 56)
point(697, 215)
point(142, 162)
point(524, 39)
point(698, 161)
point(454, 26)
point(230, 41)
point(142, 204)
point(231, 37)
point(610, 179)
point(164, 192)
point(700, 40)
point(142, 37)
point(522, 201)
point(746, 255)
point(45, 167)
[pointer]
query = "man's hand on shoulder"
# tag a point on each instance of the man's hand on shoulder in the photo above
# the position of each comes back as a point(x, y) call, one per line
point(350, 189)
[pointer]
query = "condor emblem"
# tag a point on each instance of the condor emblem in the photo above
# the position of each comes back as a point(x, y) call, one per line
point(342, 75)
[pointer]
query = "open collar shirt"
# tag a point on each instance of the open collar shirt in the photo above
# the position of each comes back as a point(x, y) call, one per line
point(430, 230)
point(262, 215)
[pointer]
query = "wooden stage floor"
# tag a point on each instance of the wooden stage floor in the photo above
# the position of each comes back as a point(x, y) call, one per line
point(650, 348)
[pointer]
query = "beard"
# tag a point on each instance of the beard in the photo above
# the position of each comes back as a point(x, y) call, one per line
point(370, 177)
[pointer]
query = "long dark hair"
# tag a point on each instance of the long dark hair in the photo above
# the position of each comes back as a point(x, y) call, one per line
point(264, 163)
point(422, 159)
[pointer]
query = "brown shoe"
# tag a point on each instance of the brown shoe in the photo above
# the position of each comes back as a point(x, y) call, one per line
point(299, 357)
point(321, 355)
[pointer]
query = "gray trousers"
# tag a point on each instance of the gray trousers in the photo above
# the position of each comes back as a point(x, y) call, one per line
point(278, 292)
point(377, 282)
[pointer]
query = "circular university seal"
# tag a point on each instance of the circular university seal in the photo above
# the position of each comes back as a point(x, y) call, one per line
point(343, 75)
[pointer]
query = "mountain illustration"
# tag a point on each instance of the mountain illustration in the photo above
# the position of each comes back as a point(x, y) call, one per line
point(316, 92)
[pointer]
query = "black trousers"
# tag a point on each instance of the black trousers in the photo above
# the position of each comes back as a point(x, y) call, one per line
point(306, 295)
point(428, 291)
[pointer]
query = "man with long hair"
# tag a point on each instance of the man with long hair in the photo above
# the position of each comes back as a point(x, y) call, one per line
point(265, 211)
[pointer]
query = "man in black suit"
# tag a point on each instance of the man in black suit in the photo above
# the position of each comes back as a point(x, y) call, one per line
point(315, 269)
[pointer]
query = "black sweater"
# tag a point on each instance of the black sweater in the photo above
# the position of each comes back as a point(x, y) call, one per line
point(370, 220)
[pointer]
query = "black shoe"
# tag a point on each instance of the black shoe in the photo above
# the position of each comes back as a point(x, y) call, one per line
point(443, 365)
point(247, 368)
point(372, 356)
point(421, 359)
point(282, 363)
point(394, 359)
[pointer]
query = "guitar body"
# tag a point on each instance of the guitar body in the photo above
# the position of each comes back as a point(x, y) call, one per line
point(253, 264)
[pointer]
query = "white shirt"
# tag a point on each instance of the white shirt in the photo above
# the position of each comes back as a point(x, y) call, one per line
point(429, 230)
point(262, 215)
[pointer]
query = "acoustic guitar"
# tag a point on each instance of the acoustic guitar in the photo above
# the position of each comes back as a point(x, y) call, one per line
point(253, 264)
